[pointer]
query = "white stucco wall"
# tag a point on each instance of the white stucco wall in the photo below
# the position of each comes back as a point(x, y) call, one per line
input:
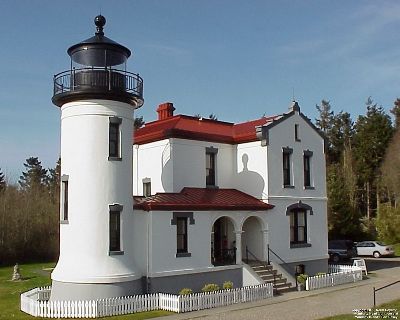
point(95, 183)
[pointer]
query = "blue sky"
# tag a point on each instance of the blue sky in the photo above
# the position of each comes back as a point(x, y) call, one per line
point(236, 59)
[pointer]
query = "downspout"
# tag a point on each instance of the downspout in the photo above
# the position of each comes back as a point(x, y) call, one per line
point(147, 253)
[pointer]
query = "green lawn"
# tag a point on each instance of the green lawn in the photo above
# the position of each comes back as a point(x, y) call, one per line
point(34, 276)
point(391, 305)
point(397, 249)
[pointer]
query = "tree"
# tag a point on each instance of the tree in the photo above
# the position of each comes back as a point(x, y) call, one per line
point(373, 133)
point(138, 123)
point(390, 170)
point(388, 223)
point(35, 175)
point(396, 112)
point(53, 181)
point(2, 181)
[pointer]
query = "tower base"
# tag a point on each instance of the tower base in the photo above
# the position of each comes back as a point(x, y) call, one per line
point(63, 291)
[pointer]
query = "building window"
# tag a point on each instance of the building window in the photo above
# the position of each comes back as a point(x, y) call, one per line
point(296, 133)
point(211, 155)
point(64, 199)
point(114, 138)
point(180, 220)
point(146, 187)
point(307, 169)
point(298, 227)
point(286, 161)
point(115, 229)
point(181, 235)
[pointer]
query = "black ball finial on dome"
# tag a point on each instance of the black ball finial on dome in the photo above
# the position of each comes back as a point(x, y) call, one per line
point(100, 22)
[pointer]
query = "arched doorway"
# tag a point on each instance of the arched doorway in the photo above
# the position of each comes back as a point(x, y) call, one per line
point(223, 244)
point(252, 239)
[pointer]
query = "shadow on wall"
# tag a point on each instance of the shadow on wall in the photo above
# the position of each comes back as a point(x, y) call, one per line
point(166, 167)
point(248, 181)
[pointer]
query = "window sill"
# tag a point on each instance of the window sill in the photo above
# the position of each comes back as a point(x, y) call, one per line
point(183, 254)
point(309, 188)
point(299, 245)
point(64, 222)
point(288, 186)
point(114, 159)
point(210, 186)
point(115, 253)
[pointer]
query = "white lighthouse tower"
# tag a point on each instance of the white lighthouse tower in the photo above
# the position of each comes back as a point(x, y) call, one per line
point(97, 97)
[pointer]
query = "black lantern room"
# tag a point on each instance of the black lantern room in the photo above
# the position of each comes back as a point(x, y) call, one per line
point(98, 71)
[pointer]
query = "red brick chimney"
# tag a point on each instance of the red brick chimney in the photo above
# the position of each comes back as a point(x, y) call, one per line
point(165, 110)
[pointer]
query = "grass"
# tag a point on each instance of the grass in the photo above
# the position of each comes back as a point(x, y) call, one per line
point(396, 248)
point(390, 305)
point(34, 276)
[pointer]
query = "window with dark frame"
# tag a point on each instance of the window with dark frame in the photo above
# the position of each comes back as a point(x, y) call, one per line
point(296, 132)
point(286, 164)
point(298, 227)
point(210, 168)
point(307, 170)
point(114, 138)
point(64, 199)
point(115, 230)
point(181, 235)
point(147, 188)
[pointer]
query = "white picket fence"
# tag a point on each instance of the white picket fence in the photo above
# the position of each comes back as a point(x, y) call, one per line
point(340, 275)
point(35, 302)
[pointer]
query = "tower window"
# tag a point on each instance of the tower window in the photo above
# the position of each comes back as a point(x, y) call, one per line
point(211, 155)
point(115, 230)
point(64, 199)
point(114, 138)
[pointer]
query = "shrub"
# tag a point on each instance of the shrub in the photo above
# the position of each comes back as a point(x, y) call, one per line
point(185, 291)
point(320, 273)
point(227, 285)
point(301, 278)
point(210, 287)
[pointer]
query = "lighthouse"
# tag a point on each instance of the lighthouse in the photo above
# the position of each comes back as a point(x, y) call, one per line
point(97, 97)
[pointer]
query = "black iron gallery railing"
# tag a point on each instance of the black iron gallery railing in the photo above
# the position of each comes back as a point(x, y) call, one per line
point(98, 79)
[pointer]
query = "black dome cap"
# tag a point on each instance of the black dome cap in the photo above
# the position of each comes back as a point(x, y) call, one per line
point(87, 52)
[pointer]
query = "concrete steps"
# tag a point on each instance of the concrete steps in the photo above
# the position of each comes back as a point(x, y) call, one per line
point(269, 275)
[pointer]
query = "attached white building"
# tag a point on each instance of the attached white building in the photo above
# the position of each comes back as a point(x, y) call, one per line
point(185, 202)
point(186, 169)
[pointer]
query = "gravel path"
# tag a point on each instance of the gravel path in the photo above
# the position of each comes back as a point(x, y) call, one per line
point(316, 304)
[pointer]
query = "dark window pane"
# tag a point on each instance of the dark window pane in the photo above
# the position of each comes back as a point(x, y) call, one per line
point(114, 140)
point(181, 235)
point(115, 231)
point(210, 169)
point(286, 169)
point(298, 226)
point(307, 171)
point(65, 199)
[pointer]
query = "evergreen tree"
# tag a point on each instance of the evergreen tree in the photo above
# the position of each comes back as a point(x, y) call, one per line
point(2, 181)
point(138, 123)
point(35, 175)
point(324, 123)
point(54, 181)
point(373, 133)
point(396, 112)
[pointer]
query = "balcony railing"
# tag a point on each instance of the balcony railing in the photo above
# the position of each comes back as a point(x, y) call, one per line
point(88, 79)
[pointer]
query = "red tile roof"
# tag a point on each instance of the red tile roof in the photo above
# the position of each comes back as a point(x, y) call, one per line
point(193, 128)
point(201, 199)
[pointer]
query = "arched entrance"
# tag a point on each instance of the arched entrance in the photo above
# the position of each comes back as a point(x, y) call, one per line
point(223, 244)
point(252, 239)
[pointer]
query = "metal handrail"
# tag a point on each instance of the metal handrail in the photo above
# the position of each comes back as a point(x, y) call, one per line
point(257, 260)
point(97, 77)
point(284, 264)
point(384, 287)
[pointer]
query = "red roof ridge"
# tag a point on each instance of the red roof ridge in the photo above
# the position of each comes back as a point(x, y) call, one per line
point(201, 199)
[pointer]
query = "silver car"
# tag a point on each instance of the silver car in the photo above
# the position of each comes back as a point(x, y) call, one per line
point(374, 248)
